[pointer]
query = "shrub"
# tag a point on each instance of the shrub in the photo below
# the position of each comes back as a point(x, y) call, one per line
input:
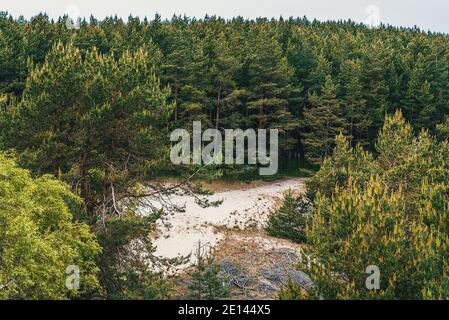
point(289, 221)
point(207, 284)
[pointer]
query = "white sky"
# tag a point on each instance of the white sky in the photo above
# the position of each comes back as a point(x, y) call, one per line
point(427, 14)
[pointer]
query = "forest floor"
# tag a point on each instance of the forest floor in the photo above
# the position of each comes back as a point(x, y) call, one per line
point(253, 264)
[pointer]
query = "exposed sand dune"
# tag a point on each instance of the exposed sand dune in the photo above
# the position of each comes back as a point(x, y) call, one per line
point(241, 209)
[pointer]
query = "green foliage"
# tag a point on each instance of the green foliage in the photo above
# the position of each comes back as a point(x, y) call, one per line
point(269, 77)
point(207, 284)
point(87, 107)
point(292, 291)
point(335, 170)
point(126, 262)
point(290, 220)
point(39, 238)
point(252, 73)
point(394, 216)
point(91, 120)
point(94, 120)
point(354, 107)
point(323, 121)
point(443, 130)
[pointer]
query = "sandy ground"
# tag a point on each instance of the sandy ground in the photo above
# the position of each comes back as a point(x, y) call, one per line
point(256, 266)
point(244, 207)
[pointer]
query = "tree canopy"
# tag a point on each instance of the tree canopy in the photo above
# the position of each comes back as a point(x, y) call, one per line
point(256, 73)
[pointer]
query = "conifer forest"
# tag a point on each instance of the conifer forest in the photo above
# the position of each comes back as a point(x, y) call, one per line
point(91, 201)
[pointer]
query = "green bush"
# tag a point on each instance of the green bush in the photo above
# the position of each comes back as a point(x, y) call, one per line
point(290, 220)
point(207, 284)
point(39, 238)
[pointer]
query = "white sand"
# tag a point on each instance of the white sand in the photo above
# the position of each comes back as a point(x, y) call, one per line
point(241, 209)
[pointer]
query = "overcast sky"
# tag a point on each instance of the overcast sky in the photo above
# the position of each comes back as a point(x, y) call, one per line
point(427, 14)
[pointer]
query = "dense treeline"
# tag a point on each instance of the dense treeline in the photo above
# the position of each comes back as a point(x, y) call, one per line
point(311, 80)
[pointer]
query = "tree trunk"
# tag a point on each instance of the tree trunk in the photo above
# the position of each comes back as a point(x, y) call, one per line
point(217, 120)
point(85, 182)
point(176, 103)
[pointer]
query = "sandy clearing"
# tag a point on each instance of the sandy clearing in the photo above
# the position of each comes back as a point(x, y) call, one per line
point(243, 209)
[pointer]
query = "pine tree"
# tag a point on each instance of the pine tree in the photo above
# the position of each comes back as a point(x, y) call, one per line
point(394, 218)
point(428, 115)
point(290, 220)
point(13, 58)
point(439, 77)
point(356, 115)
point(418, 96)
point(443, 130)
point(207, 284)
point(376, 60)
point(317, 77)
point(272, 97)
point(184, 69)
point(268, 80)
point(270, 67)
point(323, 122)
point(89, 118)
point(221, 72)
